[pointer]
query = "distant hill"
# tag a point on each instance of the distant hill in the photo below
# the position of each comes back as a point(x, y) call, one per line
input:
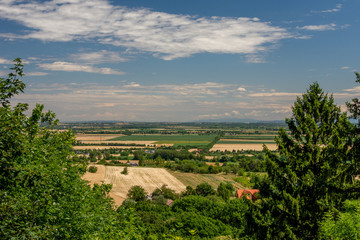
point(241, 120)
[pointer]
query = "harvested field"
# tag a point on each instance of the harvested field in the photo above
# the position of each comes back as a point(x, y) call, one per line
point(104, 147)
point(173, 139)
point(97, 177)
point(148, 178)
point(96, 137)
point(118, 142)
point(244, 140)
point(230, 147)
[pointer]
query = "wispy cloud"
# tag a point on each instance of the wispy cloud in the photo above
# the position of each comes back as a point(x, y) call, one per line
point(324, 27)
point(33, 74)
point(336, 9)
point(274, 94)
point(5, 61)
point(354, 89)
point(102, 56)
point(167, 36)
point(71, 67)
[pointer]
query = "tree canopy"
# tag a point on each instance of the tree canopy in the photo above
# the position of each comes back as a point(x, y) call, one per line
point(314, 171)
point(42, 195)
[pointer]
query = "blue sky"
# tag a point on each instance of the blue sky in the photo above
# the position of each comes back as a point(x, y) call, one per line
point(164, 60)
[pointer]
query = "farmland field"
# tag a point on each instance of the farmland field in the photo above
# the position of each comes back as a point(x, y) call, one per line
point(240, 146)
point(105, 147)
point(192, 179)
point(152, 178)
point(96, 137)
point(148, 178)
point(175, 139)
point(250, 137)
point(245, 142)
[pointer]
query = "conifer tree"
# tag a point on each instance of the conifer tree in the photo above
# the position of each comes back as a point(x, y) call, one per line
point(312, 173)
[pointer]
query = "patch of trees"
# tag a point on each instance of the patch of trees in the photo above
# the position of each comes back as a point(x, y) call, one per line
point(196, 213)
point(42, 195)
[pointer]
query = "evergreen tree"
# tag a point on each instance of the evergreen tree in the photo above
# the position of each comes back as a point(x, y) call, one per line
point(313, 173)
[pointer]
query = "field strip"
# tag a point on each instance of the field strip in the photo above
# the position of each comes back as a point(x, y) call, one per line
point(230, 147)
point(104, 147)
point(118, 142)
point(243, 140)
point(96, 137)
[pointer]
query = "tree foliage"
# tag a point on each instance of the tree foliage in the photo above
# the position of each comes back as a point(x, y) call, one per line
point(42, 195)
point(342, 225)
point(137, 193)
point(354, 106)
point(313, 172)
point(204, 189)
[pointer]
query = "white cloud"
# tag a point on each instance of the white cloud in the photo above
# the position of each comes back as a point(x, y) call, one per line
point(167, 36)
point(345, 68)
point(5, 61)
point(252, 58)
point(355, 89)
point(241, 89)
point(132, 85)
point(102, 56)
point(336, 9)
point(325, 27)
point(274, 94)
point(32, 74)
point(71, 67)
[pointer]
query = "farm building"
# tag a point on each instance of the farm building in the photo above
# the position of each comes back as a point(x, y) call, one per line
point(248, 193)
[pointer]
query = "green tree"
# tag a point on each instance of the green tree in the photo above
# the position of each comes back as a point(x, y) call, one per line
point(313, 172)
point(204, 189)
point(165, 192)
point(342, 225)
point(354, 106)
point(137, 193)
point(225, 190)
point(42, 195)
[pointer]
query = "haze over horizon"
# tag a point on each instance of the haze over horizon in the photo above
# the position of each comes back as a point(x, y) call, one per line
point(181, 60)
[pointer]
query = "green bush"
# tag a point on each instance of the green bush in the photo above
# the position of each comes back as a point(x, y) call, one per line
point(125, 171)
point(92, 169)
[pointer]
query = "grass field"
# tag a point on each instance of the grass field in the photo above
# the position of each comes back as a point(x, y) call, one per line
point(250, 137)
point(192, 179)
point(175, 139)
point(245, 142)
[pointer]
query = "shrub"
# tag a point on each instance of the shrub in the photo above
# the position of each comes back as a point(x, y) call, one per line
point(125, 171)
point(93, 169)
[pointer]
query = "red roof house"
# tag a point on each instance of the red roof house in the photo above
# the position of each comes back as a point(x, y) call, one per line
point(248, 193)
